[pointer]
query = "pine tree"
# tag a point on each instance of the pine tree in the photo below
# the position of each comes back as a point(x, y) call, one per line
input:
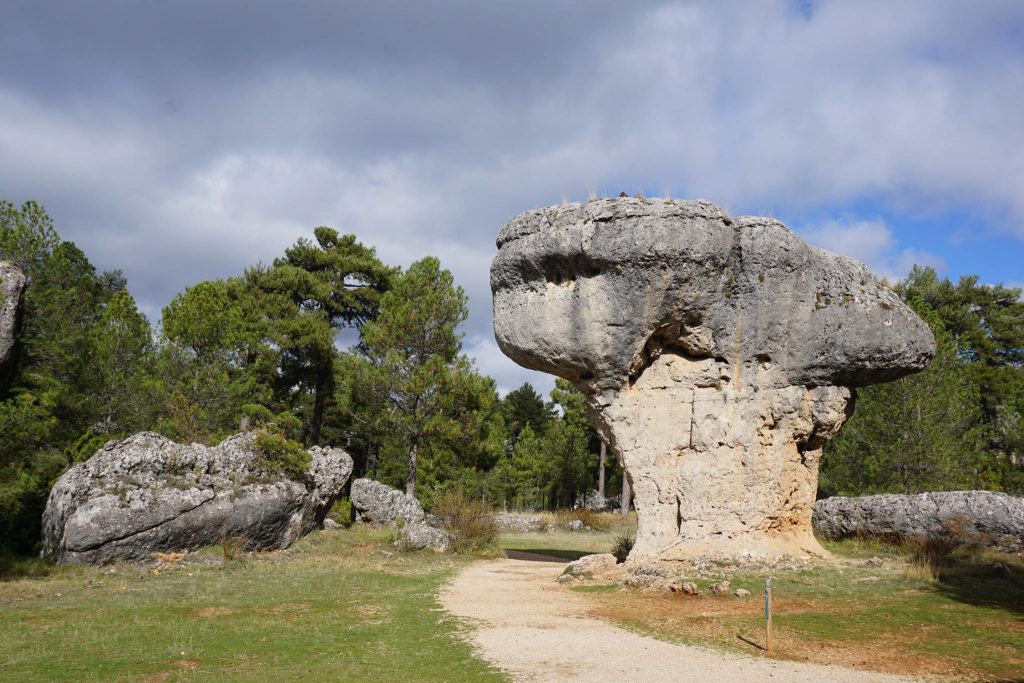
point(522, 407)
point(919, 433)
point(410, 356)
point(306, 298)
point(122, 358)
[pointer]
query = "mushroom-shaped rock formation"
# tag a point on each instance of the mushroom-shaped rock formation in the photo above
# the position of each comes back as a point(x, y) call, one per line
point(715, 353)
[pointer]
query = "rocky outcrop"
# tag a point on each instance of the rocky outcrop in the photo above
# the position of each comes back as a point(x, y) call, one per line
point(12, 284)
point(147, 494)
point(379, 504)
point(715, 353)
point(982, 517)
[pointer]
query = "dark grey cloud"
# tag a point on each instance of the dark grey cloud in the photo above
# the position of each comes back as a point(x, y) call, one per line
point(187, 140)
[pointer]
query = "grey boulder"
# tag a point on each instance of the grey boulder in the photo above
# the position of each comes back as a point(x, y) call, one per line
point(984, 517)
point(12, 284)
point(421, 535)
point(377, 503)
point(147, 494)
point(590, 291)
point(380, 505)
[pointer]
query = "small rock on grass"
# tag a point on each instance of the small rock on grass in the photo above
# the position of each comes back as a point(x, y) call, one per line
point(720, 588)
point(684, 588)
point(741, 593)
point(420, 535)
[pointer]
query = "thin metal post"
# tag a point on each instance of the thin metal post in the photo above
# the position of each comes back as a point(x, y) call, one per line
point(768, 614)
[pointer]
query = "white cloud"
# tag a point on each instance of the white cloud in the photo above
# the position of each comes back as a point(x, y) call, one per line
point(179, 165)
point(508, 376)
point(872, 243)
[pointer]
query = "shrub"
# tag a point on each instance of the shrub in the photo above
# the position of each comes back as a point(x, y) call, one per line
point(622, 545)
point(469, 522)
point(231, 545)
point(930, 557)
point(278, 454)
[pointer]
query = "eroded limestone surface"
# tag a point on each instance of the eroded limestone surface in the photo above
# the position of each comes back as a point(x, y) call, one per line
point(715, 353)
point(12, 283)
point(147, 494)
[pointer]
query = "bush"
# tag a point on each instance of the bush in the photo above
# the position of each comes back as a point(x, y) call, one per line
point(231, 545)
point(930, 557)
point(279, 454)
point(622, 545)
point(469, 522)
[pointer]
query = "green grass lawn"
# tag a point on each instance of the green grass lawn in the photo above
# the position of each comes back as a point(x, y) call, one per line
point(344, 605)
point(967, 625)
point(338, 606)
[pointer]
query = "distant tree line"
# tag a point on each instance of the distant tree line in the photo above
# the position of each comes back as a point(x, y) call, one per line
point(959, 424)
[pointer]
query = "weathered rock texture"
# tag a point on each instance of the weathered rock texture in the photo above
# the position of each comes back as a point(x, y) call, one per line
point(147, 493)
point(12, 283)
point(715, 354)
point(983, 517)
point(379, 504)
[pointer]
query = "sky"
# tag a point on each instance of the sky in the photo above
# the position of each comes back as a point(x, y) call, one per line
point(181, 141)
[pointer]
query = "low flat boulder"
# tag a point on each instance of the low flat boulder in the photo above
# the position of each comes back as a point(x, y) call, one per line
point(981, 517)
point(421, 535)
point(148, 494)
point(520, 521)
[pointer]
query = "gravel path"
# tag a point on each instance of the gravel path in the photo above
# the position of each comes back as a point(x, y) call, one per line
point(537, 630)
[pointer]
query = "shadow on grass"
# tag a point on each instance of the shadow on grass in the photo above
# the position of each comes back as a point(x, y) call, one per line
point(984, 584)
point(958, 564)
point(750, 642)
point(15, 567)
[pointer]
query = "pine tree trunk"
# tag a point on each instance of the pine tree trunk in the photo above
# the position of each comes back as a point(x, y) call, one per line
point(600, 472)
point(319, 401)
point(627, 495)
point(410, 477)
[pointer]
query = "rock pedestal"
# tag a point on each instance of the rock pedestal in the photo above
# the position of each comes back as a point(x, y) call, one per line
point(715, 353)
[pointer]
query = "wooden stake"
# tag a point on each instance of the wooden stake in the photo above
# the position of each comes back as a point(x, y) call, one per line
point(768, 614)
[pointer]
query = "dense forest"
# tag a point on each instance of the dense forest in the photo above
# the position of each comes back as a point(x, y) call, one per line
point(259, 350)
